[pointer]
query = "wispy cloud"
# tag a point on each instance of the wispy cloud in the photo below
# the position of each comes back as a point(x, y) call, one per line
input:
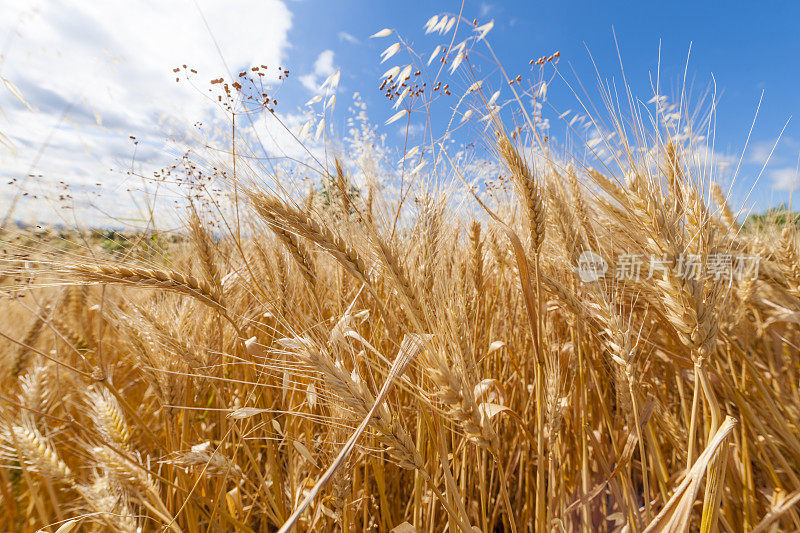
point(759, 152)
point(779, 160)
point(348, 38)
point(785, 179)
point(323, 67)
point(783, 150)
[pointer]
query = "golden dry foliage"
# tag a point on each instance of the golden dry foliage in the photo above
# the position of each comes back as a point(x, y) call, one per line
point(325, 367)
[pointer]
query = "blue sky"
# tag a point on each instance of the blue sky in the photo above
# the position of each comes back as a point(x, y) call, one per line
point(92, 74)
point(748, 48)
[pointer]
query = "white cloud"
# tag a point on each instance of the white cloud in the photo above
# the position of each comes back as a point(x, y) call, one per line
point(775, 151)
point(785, 179)
point(278, 135)
point(486, 8)
point(778, 159)
point(348, 37)
point(323, 67)
point(97, 72)
point(410, 130)
point(760, 152)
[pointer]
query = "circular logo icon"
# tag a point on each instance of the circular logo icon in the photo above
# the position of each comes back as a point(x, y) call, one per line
point(591, 267)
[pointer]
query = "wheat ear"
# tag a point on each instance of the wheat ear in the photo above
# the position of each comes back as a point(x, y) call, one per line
point(273, 210)
point(529, 191)
point(149, 277)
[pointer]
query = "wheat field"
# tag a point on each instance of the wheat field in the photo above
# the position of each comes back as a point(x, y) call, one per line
point(346, 359)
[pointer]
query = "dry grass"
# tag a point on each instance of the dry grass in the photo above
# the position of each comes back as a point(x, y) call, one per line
point(357, 364)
